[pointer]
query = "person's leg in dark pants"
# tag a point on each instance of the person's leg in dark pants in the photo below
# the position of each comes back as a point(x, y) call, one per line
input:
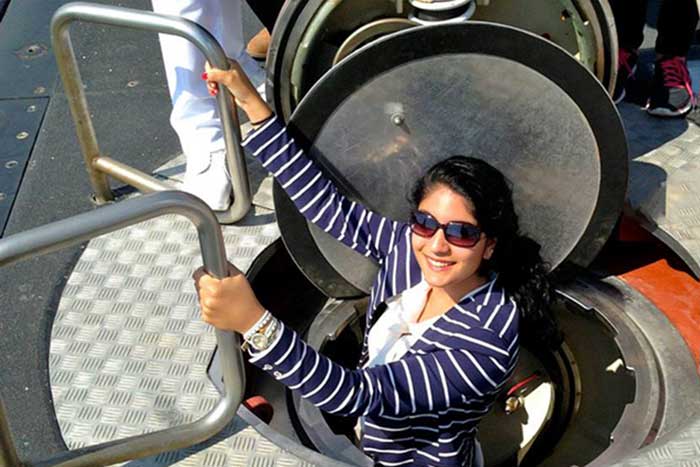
point(630, 16)
point(676, 26)
point(672, 93)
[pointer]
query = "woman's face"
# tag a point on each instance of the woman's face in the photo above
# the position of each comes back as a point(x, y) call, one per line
point(445, 265)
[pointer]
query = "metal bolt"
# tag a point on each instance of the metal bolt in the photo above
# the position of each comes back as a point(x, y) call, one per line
point(39, 90)
point(31, 108)
point(22, 135)
point(398, 119)
point(512, 404)
point(132, 84)
point(10, 164)
point(31, 51)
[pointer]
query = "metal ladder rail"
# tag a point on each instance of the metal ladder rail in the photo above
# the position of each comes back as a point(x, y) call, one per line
point(78, 229)
point(98, 165)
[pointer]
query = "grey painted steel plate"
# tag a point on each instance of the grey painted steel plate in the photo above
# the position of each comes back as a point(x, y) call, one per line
point(20, 120)
point(516, 101)
point(28, 67)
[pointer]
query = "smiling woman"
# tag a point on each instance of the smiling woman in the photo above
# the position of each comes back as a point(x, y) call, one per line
point(451, 290)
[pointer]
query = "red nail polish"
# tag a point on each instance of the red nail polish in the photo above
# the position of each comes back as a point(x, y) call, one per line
point(205, 76)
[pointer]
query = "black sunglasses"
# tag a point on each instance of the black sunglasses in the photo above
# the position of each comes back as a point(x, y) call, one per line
point(461, 234)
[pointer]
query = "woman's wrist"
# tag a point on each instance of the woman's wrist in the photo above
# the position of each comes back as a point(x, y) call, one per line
point(257, 111)
point(257, 325)
point(254, 318)
point(259, 123)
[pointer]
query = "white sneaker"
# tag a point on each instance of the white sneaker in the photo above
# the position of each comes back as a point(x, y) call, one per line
point(209, 180)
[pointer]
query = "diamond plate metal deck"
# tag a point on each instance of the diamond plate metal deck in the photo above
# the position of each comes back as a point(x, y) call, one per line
point(680, 449)
point(129, 352)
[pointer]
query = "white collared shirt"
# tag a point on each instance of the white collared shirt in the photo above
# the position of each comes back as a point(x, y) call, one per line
point(397, 330)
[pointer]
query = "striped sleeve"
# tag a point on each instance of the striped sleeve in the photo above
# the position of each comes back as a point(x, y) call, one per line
point(417, 383)
point(316, 197)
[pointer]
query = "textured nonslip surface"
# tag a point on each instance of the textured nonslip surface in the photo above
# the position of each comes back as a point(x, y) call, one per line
point(128, 350)
point(680, 449)
point(664, 182)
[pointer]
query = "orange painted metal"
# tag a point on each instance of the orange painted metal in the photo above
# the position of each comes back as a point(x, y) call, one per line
point(650, 267)
point(676, 293)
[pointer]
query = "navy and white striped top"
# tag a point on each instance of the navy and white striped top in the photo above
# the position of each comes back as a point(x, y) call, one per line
point(424, 408)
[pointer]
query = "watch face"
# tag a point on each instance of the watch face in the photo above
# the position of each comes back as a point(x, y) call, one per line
point(259, 341)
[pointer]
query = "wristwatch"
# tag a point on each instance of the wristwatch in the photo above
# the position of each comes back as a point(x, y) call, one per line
point(262, 339)
point(261, 335)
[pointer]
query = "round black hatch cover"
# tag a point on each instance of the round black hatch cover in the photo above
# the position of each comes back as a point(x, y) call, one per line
point(392, 109)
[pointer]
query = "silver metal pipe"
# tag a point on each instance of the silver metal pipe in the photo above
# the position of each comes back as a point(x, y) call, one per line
point(8, 454)
point(235, 158)
point(163, 24)
point(122, 172)
point(75, 230)
point(73, 86)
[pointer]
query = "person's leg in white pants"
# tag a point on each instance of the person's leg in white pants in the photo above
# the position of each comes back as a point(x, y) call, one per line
point(194, 116)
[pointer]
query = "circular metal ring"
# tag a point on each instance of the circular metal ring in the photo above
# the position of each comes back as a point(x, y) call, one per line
point(369, 32)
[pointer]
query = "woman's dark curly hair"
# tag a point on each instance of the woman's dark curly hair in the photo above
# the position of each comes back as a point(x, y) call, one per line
point(516, 257)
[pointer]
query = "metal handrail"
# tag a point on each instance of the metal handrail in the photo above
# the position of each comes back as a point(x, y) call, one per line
point(78, 229)
point(99, 166)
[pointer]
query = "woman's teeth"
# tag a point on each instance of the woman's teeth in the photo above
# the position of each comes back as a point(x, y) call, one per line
point(435, 264)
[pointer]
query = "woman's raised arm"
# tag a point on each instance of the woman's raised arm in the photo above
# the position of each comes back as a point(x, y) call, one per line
point(315, 196)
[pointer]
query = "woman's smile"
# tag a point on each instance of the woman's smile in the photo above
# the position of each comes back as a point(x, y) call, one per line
point(439, 265)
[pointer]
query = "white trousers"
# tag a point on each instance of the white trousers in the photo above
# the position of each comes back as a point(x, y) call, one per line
point(194, 117)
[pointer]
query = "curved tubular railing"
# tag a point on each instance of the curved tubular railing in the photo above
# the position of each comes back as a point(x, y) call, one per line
point(99, 166)
point(83, 227)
